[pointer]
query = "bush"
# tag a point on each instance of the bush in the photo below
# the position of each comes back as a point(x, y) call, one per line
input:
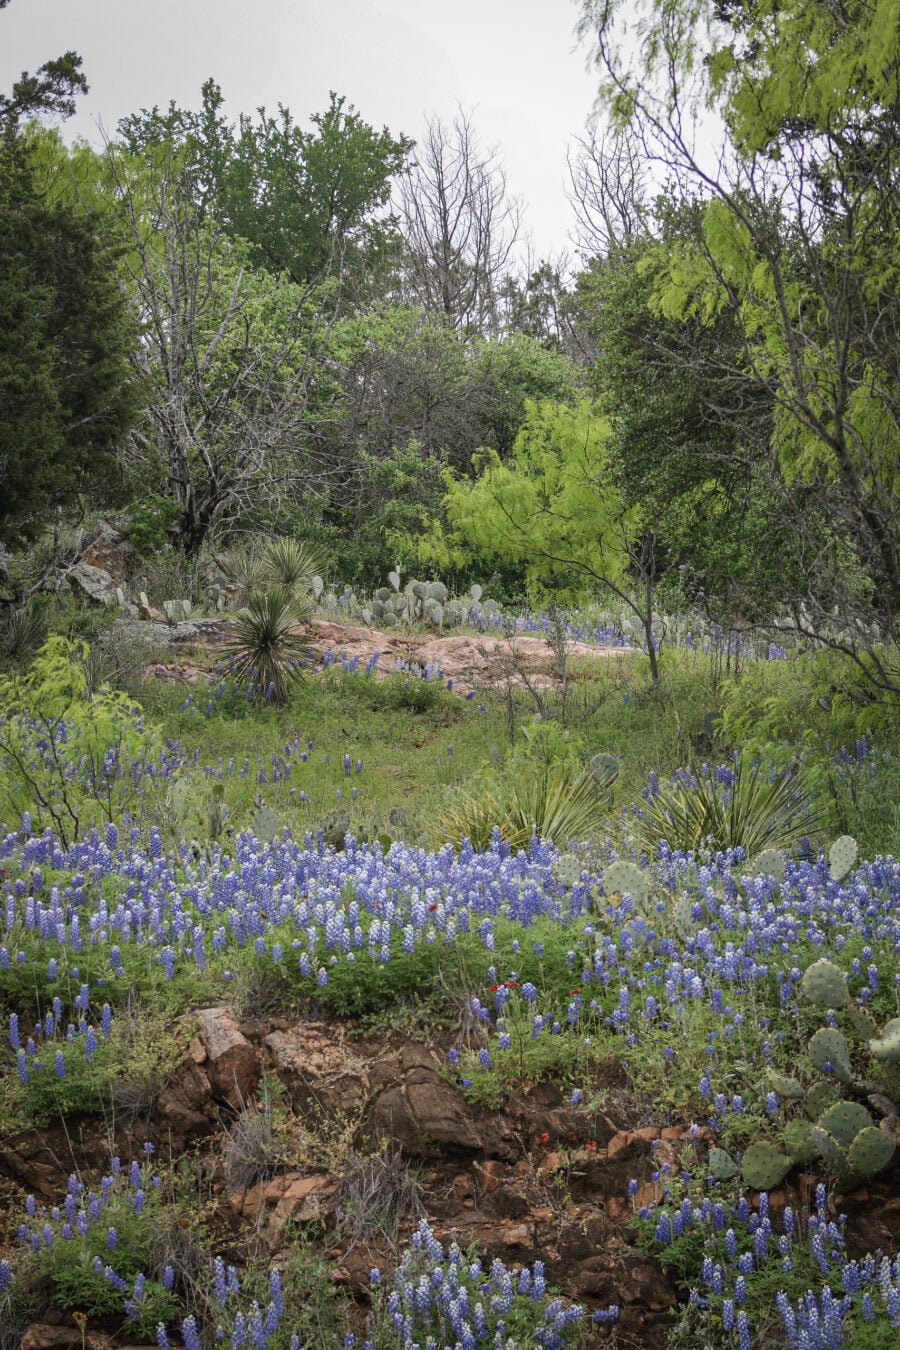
point(69, 755)
point(741, 806)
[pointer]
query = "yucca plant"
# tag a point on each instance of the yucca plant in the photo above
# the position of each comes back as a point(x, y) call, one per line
point(558, 803)
point(264, 648)
point(22, 631)
point(245, 568)
point(292, 563)
point(746, 806)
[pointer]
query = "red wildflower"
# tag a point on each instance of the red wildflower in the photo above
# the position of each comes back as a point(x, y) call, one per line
point(432, 908)
point(544, 1138)
point(492, 988)
point(591, 1144)
point(512, 984)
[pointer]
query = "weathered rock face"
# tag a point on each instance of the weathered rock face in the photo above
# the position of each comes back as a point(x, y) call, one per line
point(289, 1197)
point(93, 582)
point(319, 1070)
point(110, 550)
point(424, 1113)
point(231, 1063)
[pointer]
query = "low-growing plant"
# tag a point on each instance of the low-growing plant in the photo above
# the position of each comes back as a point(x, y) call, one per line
point(743, 805)
point(265, 650)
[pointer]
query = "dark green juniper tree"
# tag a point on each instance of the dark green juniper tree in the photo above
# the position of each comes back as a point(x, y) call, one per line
point(66, 389)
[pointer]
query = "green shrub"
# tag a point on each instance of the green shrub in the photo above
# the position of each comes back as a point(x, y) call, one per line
point(69, 754)
point(753, 808)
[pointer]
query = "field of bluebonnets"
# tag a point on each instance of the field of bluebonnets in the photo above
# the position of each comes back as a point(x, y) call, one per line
point(628, 948)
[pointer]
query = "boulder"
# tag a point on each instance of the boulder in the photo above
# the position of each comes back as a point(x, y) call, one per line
point(93, 582)
point(318, 1070)
point(423, 1111)
point(231, 1064)
point(110, 550)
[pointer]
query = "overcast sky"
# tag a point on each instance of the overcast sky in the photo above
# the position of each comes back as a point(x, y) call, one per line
point(514, 63)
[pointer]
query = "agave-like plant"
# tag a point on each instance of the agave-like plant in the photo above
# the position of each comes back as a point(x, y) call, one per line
point(746, 807)
point(245, 568)
point(264, 648)
point(292, 563)
point(554, 802)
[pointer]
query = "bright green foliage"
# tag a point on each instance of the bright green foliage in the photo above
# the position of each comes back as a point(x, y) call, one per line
point(307, 203)
point(798, 235)
point(550, 508)
point(69, 754)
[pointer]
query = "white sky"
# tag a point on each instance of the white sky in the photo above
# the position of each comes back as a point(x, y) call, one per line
point(514, 63)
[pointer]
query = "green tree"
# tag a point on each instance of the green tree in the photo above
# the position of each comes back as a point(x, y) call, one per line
point(309, 204)
point(67, 334)
point(51, 89)
point(552, 508)
point(797, 241)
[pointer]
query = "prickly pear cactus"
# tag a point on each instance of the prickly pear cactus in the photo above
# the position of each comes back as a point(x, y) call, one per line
point(886, 1046)
point(870, 1152)
point(819, 1097)
point(265, 824)
point(567, 870)
point(789, 1089)
point(825, 984)
point(624, 878)
point(770, 863)
point(683, 918)
point(476, 593)
point(842, 856)
point(844, 1120)
point(828, 1047)
point(763, 1167)
point(798, 1141)
point(722, 1166)
point(604, 769)
point(828, 1147)
point(334, 829)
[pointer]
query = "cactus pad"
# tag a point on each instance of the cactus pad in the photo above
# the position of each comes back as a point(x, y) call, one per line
point(870, 1151)
point(604, 769)
point(770, 863)
point(265, 824)
point(825, 984)
point(683, 916)
point(788, 1088)
point(826, 1144)
point(844, 1120)
point(625, 878)
point(887, 1045)
point(567, 870)
point(798, 1142)
point(722, 1166)
point(819, 1097)
point(763, 1167)
point(862, 1021)
point(842, 856)
point(828, 1046)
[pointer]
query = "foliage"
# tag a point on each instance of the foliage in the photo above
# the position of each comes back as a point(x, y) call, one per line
point(264, 649)
point(747, 806)
point(308, 203)
point(67, 336)
point(69, 755)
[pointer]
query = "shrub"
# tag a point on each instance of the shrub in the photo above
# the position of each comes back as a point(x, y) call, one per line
point(264, 648)
point(68, 754)
point(744, 806)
